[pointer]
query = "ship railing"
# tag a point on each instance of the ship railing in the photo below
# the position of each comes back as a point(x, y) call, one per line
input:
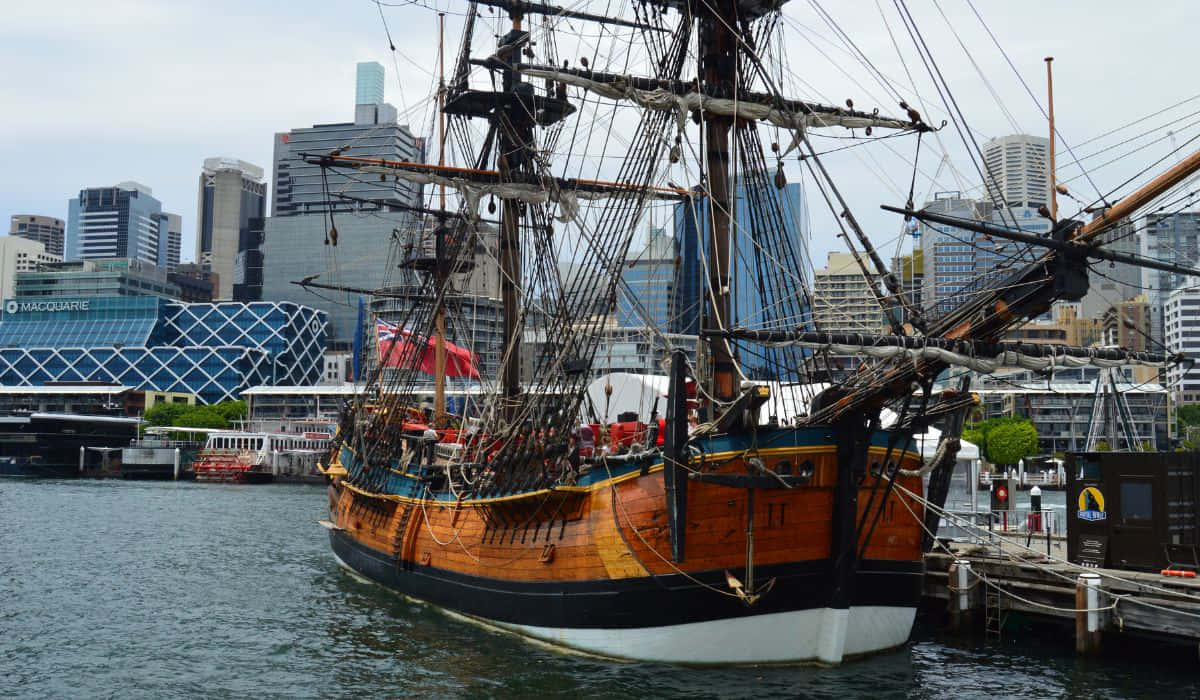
point(151, 443)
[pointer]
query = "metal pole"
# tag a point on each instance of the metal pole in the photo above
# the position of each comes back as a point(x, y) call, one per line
point(175, 473)
point(1050, 101)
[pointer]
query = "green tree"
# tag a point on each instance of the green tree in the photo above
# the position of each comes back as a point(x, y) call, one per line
point(1008, 443)
point(165, 413)
point(202, 417)
point(984, 432)
point(231, 410)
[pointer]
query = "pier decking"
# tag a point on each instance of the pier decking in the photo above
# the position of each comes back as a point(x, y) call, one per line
point(983, 585)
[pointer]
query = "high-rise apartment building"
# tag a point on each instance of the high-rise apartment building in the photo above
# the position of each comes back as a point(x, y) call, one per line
point(122, 221)
point(20, 255)
point(1018, 170)
point(1174, 238)
point(842, 299)
point(232, 195)
point(306, 204)
point(1182, 330)
point(46, 230)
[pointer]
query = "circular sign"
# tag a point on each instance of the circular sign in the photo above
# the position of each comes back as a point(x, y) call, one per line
point(11, 306)
point(1001, 493)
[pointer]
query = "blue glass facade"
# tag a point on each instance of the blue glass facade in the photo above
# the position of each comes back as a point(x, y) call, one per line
point(767, 277)
point(212, 350)
point(650, 280)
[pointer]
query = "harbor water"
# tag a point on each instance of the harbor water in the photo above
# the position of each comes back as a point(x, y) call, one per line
point(140, 589)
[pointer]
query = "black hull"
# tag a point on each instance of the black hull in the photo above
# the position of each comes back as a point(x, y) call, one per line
point(630, 603)
point(154, 473)
point(27, 470)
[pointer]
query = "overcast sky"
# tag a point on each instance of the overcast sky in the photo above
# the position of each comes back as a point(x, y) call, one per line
point(93, 93)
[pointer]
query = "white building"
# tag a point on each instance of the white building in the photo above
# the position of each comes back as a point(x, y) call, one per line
point(20, 255)
point(1018, 168)
point(1181, 321)
point(842, 299)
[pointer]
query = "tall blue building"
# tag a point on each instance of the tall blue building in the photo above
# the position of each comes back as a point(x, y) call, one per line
point(647, 295)
point(765, 277)
point(122, 221)
point(213, 350)
point(751, 252)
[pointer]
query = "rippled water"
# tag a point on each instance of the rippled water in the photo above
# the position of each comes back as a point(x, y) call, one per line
point(126, 589)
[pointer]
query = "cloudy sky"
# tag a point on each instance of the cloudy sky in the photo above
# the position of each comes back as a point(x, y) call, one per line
point(97, 92)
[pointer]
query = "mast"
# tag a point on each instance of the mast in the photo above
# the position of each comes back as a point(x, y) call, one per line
point(439, 356)
point(718, 66)
point(515, 132)
point(1050, 103)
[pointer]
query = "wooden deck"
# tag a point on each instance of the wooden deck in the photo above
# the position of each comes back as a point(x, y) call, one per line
point(1100, 602)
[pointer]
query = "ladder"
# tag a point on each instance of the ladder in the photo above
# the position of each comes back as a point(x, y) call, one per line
point(994, 613)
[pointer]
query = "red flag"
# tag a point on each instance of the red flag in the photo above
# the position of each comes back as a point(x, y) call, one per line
point(398, 348)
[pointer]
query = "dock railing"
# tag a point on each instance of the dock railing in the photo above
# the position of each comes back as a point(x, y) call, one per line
point(1046, 479)
point(982, 527)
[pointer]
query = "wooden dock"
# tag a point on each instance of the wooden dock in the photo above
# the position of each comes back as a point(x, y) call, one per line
point(983, 585)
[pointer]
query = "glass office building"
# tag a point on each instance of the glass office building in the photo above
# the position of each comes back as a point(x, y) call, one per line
point(212, 350)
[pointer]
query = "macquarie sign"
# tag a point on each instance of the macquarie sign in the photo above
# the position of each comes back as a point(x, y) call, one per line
point(13, 306)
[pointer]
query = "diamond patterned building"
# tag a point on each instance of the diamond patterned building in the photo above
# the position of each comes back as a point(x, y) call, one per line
point(213, 350)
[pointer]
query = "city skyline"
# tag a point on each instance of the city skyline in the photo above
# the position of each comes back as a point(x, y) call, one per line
point(197, 101)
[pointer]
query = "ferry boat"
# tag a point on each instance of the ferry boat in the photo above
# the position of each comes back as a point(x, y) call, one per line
point(261, 457)
point(159, 455)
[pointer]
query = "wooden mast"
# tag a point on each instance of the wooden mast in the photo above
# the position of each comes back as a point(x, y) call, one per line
point(514, 131)
point(440, 265)
point(718, 66)
point(1053, 175)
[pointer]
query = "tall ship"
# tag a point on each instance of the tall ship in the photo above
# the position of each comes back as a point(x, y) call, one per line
point(760, 506)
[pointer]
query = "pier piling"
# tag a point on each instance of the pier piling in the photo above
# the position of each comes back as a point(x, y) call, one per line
point(1088, 616)
point(960, 606)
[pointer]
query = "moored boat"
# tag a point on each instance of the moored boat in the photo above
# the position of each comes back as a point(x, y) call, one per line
point(62, 445)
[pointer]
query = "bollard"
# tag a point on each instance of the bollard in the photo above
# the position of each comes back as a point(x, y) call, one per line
point(175, 473)
point(958, 579)
point(1087, 616)
point(1035, 508)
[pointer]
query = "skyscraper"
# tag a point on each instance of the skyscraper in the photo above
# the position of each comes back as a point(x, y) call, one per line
point(121, 221)
point(46, 230)
point(1019, 171)
point(231, 194)
point(307, 204)
point(368, 87)
point(646, 296)
point(759, 301)
point(1175, 238)
point(174, 240)
point(691, 241)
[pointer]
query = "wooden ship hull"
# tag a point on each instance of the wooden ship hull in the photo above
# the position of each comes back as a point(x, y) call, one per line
point(591, 567)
